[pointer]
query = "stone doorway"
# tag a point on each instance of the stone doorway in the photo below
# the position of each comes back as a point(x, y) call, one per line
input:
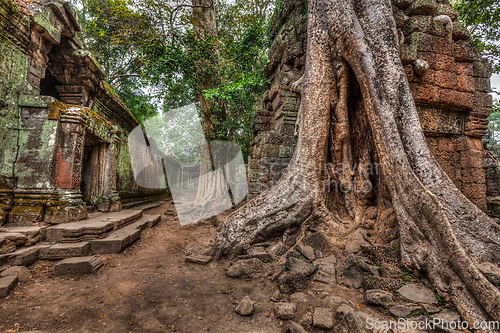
point(93, 175)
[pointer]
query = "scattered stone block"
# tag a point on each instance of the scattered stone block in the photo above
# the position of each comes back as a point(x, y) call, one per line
point(431, 309)
point(323, 318)
point(352, 323)
point(417, 293)
point(194, 248)
point(65, 250)
point(356, 241)
point(379, 297)
point(307, 319)
point(6, 245)
point(27, 256)
point(7, 283)
point(306, 251)
point(259, 254)
point(342, 310)
point(278, 271)
point(328, 260)
point(285, 310)
point(327, 268)
point(299, 297)
point(446, 315)
point(299, 266)
point(198, 259)
point(332, 301)
point(291, 282)
point(293, 327)
point(22, 273)
point(400, 311)
point(278, 249)
point(78, 266)
point(244, 268)
point(323, 277)
point(276, 296)
point(246, 307)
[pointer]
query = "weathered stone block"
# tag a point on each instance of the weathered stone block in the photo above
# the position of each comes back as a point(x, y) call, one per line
point(323, 318)
point(472, 159)
point(284, 128)
point(7, 283)
point(463, 68)
point(460, 32)
point(425, 93)
point(198, 259)
point(22, 273)
point(270, 150)
point(421, 23)
point(400, 17)
point(445, 9)
point(78, 266)
point(271, 137)
point(465, 51)
point(286, 151)
point(464, 83)
point(115, 242)
point(65, 250)
point(482, 84)
point(445, 79)
point(455, 98)
point(473, 175)
point(408, 53)
point(428, 43)
point(482, 69)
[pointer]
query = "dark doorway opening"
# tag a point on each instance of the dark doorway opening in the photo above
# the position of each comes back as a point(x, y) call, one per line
point(48, 85)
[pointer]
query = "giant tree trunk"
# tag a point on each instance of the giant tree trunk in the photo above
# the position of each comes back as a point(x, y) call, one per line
point(441, 231)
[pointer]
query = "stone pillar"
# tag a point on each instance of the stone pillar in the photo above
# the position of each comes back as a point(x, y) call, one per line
point(111, 200)
point(34, 188)
point(69, 205)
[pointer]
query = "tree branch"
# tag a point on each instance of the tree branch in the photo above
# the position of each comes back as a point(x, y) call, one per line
point(122, 75)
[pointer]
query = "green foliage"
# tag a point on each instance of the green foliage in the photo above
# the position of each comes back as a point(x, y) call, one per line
point(152, 44)
point(440, 300)
point(482, 18)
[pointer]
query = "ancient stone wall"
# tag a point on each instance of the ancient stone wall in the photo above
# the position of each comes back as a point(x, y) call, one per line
point(63, 133)
point(448, 78)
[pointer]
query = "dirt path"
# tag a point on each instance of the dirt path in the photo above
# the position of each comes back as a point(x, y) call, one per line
point(146, 288)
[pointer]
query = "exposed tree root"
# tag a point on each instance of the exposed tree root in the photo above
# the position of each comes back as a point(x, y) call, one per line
point(441, 232)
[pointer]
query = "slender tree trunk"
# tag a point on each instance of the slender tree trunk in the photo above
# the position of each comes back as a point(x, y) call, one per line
point(212, 188)
point(441, 231)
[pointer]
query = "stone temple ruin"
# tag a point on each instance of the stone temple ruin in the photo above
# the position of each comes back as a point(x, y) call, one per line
point(449, 81)
point(63, 133)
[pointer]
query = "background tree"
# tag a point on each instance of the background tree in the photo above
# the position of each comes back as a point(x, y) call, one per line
point(111, 29)
point(482, 19)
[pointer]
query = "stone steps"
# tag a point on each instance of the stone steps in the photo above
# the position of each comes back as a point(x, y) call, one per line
point(77, 256)
point(106, 233)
